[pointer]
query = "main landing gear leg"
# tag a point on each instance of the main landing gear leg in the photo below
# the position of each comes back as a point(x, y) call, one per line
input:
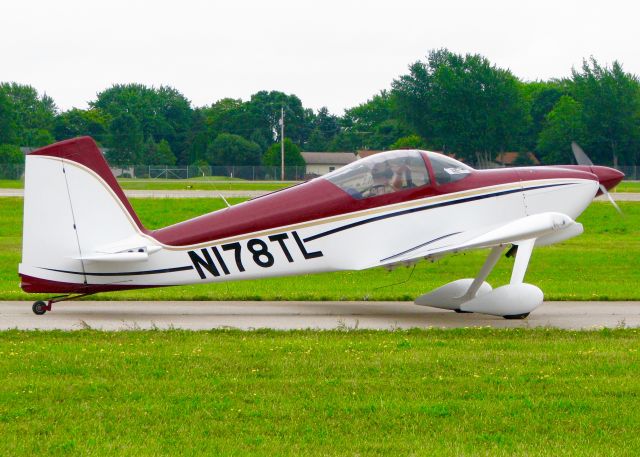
point(487, 267)
point(523, 255)
point(40, 307)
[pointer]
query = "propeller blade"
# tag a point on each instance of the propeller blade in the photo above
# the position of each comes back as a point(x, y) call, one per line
point(579, 154)
point(613, 202)
point(583, 159)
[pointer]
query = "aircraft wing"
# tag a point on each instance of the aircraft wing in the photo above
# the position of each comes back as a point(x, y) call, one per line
point(133, 249)
point(544, 228)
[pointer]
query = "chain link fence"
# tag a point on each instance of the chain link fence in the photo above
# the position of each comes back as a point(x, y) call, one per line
point(250, 173)
point(11, 171)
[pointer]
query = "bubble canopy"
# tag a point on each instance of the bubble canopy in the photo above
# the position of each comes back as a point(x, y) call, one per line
point(393, 171)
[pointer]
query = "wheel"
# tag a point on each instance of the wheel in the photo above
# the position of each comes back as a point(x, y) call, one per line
point(517, 316)
point(462, 312)
point(39, 308)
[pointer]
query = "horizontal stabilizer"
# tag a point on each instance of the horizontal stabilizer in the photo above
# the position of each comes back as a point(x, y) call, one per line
point(133, 249)
point(117, 257)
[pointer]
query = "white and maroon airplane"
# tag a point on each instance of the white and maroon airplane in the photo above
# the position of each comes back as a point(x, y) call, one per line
point(81, 235)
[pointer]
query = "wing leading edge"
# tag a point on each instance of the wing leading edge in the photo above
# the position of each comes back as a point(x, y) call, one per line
point(543, 229)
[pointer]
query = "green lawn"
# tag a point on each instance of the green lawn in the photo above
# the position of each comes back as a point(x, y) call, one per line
point(601, 264)
point(208, 183)
point(225, 183)
point(628, 186)
point(11, 184)
point(202, 184)
point(434, 392)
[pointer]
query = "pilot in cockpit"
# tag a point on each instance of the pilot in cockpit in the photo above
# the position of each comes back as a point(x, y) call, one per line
point(402, 178)
point(381, 175)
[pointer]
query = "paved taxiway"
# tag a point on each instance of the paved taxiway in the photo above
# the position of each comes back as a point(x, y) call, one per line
point(619, 196)
point(108, 315)
point(167, 193)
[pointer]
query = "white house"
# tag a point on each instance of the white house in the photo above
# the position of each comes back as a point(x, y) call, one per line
point(320, 163)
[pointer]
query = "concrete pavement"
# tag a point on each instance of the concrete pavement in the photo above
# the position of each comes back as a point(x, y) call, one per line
point(112, 315)
point(618, 196)
point(168, 193)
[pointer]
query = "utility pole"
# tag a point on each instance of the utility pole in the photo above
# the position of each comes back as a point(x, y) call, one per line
point(282, 143)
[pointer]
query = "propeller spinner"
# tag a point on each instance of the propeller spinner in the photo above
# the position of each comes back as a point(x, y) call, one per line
point(605, 175)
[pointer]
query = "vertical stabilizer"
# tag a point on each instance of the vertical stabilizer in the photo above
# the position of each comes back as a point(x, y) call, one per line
point(73, 205)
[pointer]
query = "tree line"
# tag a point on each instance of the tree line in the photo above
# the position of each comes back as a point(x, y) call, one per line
point(459, 104)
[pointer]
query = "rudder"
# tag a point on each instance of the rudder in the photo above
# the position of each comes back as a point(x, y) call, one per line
point(73, 206)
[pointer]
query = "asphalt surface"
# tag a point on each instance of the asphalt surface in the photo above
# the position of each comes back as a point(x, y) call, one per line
point(622, 197)
point(111, 315)
point(619, 196)
point(168, 193)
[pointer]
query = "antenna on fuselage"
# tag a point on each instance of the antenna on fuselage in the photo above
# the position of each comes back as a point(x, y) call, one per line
point(225, 200)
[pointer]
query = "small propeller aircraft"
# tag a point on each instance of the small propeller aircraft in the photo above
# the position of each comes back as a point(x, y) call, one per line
point(81, 235)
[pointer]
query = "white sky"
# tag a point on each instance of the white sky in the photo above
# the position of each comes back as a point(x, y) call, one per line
point(334, 53)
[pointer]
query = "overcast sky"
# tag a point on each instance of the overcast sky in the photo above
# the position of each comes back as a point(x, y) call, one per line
point(334, 53)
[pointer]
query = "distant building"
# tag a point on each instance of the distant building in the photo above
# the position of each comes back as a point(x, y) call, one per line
point(510, 159)
point(320, 163)
point(364, 153)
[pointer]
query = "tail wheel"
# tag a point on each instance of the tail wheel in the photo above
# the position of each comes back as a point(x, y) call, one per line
point(517, 316)
point(39, 308)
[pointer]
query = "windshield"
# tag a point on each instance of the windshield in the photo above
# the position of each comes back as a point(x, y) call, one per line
point(381, 174)
point(447, 170)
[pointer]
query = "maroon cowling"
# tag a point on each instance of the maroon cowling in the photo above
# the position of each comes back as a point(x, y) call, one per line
point(608, 177)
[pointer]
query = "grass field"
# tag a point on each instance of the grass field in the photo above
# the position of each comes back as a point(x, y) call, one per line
point(222, 183)
point(434, 392)
point(208, 183)
point(628, 186)
point(201, 184)
point(601, 264)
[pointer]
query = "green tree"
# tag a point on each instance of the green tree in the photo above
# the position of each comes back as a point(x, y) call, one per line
point(161, 112)
point(149, 152)
point(324, 128)
point(258, 119)
point(198, 137)
point(10, 159)
point(562, 126)
point(347, 140)
point(7, 121)
point(125, 140)
point(230, 149)
point(77, 122)
point(11, 154)
point(371, 125)
point(40, 137)
point(409, 142)
point(292, 156)
point(227, 115)
point(540, 97)
point(164, 154)
point(33, 113)
point(462, 104)
point(610, 99)
point(263, 111)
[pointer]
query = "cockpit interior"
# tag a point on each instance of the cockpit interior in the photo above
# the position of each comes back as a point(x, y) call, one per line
point(393, 171)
